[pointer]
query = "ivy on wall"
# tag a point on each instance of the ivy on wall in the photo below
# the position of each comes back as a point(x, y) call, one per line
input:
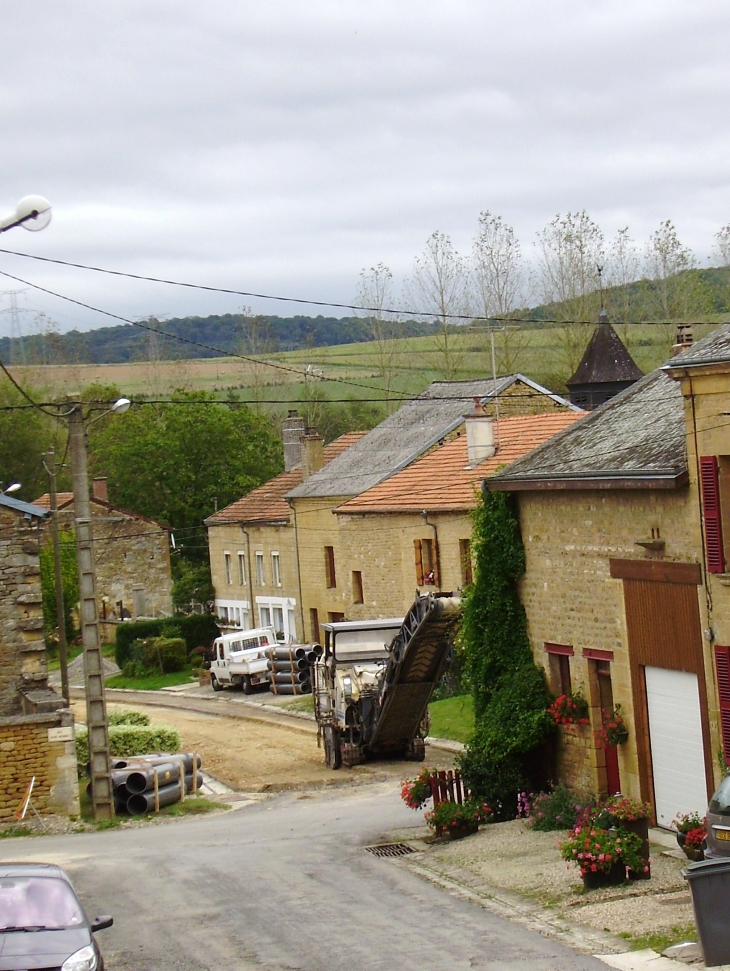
point(510, 694)
point(69, 582)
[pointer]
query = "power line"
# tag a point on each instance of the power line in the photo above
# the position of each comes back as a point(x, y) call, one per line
point(300, 300)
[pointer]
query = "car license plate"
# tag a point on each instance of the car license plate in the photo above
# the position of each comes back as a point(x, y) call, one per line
point(722, 834)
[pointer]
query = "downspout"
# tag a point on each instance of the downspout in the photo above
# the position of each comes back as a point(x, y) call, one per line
point(250, 575)
point(437, 549)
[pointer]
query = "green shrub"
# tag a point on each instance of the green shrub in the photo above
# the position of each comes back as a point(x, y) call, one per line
point(163, 654)
point(195, 629)
point(126, 741)
point(198, 630)
point(558, 809)
point(125, 717)
point(127, 633)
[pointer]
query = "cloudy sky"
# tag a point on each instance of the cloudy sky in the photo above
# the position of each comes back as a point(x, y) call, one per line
point(282, 146)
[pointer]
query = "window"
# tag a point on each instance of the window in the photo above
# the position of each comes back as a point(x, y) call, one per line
point(227, 566)
point(241, 568)
point(427, 571)
point(260, 568)
point(275, 570)
point(314, 624)
point(329, 567)
point(559, 656)
point(335, 617)
point(465, 561)
point(265, 615)
point(278, 617)
point(357, 592)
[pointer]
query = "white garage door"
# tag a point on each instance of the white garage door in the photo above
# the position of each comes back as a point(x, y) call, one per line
point(677, 754)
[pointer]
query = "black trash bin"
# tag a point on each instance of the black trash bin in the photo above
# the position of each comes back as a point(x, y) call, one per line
point(709, 882)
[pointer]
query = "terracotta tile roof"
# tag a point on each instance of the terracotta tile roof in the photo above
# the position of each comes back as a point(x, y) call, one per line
point(441, 480)
point(65, 499)
point(267, 503)
point(62, 499)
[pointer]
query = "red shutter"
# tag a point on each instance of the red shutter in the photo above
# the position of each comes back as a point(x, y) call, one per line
point(711, 510)
point(419, 562)
point(722, 666)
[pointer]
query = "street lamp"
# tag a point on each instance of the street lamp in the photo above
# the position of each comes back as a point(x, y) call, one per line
point(11, 488)
point(102, 796)
point(32, 213)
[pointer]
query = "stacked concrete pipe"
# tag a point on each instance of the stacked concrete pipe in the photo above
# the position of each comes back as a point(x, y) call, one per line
point(135, 779)
point(290, 668)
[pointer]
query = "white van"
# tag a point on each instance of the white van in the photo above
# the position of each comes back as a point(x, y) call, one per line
point(240, 659)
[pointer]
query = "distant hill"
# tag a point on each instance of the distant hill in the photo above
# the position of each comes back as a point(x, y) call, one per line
point(126, 343)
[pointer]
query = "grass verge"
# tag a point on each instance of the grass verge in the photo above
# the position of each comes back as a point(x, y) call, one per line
point(153, 682)
point(452, 718)
point(193, 806)
point(660, 941)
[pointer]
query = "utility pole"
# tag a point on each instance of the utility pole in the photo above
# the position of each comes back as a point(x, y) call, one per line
point(60, 612)
point(96, 719)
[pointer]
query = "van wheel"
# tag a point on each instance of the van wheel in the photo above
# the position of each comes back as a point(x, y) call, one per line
point(215, 683)
point(332, 754)
point(246, 685)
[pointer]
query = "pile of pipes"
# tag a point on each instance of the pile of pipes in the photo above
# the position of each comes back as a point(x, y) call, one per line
point(290, 669)
point(145, 783)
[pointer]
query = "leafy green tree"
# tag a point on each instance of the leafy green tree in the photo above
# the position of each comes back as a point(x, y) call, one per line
point(176, 462)
point(25, 433)
point(69, 582)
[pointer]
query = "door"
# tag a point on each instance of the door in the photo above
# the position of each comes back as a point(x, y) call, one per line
point(675, 740)
point(605, 696)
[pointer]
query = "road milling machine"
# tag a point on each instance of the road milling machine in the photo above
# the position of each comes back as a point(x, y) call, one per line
point(375, 678)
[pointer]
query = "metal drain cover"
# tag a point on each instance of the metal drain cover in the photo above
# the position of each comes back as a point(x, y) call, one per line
point(390, 849)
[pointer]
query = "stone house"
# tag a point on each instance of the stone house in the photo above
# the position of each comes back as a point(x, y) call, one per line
point(252, 542)
point(412, 532)
point(328, 573)
point(131, 556)
point(625, 588)
point(36, 731)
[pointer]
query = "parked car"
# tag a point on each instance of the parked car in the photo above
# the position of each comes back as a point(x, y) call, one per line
point(42, 922)
point(717, 841)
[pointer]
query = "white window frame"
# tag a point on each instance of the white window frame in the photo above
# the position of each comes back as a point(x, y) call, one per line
point(227, 566)
point(225, 610)
point(241, 568)
point(260, 575)
point(287, 606)
point(275, 568)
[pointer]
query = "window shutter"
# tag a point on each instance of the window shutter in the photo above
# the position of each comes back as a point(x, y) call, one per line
point(436, 578)
point(722, 666)
point(711, 510)
point(419, 562)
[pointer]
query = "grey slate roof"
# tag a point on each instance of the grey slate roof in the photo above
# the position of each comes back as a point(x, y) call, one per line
point(23, 508)
point(638, 434)
point(605, 360)
point(713, 349)
point(404, 435)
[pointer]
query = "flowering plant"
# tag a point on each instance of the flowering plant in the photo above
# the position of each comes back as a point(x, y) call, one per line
point(613, 730)
point(684, 822)
point(415, 793)
point(595, 850)
point(695, 838)
point(623, 809)
point(454, 816)
point(569, 710)
point(524, 804)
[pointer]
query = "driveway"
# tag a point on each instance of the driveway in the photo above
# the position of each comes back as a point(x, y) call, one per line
point(283, 884)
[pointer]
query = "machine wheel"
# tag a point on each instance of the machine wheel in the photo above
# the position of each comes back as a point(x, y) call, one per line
point(215, 683)
point(246, 685)
point(332, 756)
point(425, 726)
point(416, 750)
point(351, 754)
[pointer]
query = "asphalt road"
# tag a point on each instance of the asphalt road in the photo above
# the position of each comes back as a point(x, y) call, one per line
point(284, 884)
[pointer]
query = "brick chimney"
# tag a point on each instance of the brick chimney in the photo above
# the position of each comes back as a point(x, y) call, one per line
point(479, 435)
point(99, 488)
point(312, 453)
point(292, 429)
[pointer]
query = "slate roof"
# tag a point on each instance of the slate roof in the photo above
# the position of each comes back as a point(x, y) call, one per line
point(407, 434)
point(713, 349)
point(441, 480)
point(636, 439)
point(267, 503)
point(26, 509)
point(605, 360)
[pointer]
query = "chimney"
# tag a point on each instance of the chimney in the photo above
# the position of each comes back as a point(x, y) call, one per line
point(685, 339)
point(312, 453)
point(292, 429)
point(99, 488)
point(479, 435)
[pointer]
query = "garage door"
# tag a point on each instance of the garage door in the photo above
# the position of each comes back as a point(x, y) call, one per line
point(675, 734)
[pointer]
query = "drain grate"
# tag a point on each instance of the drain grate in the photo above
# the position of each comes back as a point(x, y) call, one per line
point(390, 849)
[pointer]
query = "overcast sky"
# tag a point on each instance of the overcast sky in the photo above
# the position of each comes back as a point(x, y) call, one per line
point(282, 146)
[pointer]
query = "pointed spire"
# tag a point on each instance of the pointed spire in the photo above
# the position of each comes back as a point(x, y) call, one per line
point(605, 368)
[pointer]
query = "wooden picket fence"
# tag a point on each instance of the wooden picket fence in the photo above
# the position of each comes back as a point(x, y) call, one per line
point(447, 787)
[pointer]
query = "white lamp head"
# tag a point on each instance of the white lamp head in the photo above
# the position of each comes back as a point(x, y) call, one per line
point(121, 406)
point(32, 213)
point(12, 488)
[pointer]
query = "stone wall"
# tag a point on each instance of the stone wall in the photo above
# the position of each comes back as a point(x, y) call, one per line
point(40, 746)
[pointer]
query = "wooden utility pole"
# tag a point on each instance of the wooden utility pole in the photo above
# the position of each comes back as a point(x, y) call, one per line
point(60, 612)
point(102, 796)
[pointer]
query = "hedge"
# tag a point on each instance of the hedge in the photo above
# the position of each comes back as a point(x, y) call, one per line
point(158, 654)
point(195, 630)
point(125, 717)
point(126, 741)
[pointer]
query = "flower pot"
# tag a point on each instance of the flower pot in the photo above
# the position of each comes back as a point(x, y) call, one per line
point(641, 828)
point(681, 837)
point(694, 853)
point(592, 880)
